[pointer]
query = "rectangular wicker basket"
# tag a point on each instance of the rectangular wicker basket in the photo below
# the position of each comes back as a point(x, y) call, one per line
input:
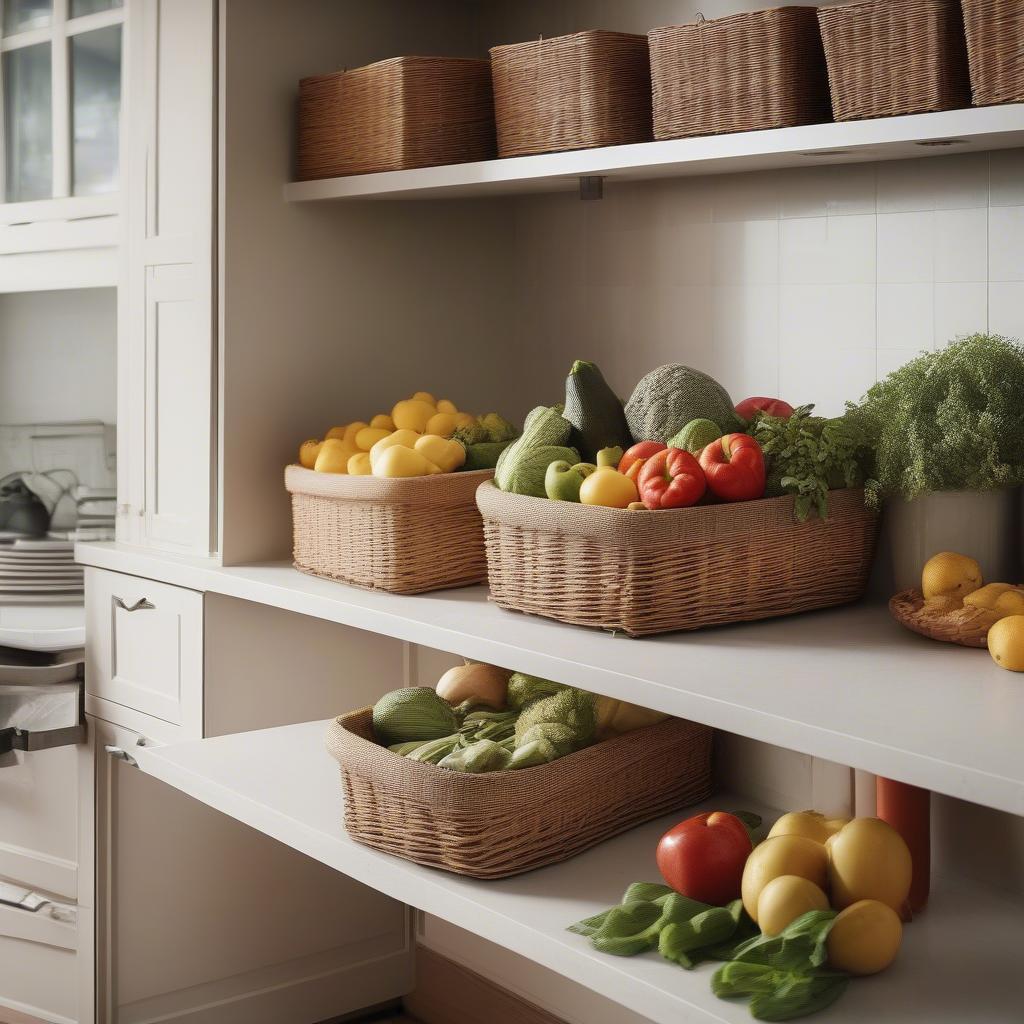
point(645, 572)
point(394, 115)
point(995, 50)
point(759, 69)
point(571, 92)
point(503, 823)
point(405, 536)
point(888, 58)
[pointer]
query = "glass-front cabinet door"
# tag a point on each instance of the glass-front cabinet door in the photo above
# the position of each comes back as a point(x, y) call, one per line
point(60, 82)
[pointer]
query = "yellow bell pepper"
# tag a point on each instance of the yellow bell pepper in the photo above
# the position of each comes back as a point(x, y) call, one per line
point(609, 487)
point(445, 454)
point(359, 464)
point(412, 414)
point(408, 438)
point(399, 461)
point(308, 451)
point(614, 717)
point(334, 456)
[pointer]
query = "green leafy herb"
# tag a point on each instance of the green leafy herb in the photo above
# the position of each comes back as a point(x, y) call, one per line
point(809, 455)
point(948, 420)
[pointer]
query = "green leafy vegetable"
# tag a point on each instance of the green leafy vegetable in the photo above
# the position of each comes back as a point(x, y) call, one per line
point(809, 455)
point(573, 710)
point(948, 420)
point(524, 689)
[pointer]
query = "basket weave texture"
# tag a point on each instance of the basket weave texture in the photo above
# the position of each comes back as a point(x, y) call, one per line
point(571, 92)
point(503, 823)
point(405, 536)
point(995, 50)
point(887, 58)
point(761, 69)
point(399, 113)
point(654, 572)
point(967, 626)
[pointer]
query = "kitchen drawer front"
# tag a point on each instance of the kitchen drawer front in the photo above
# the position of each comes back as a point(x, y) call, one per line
point(144, 647)
point(39, 965)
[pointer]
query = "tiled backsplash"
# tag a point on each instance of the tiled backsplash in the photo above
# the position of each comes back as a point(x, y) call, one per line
point(809, 283)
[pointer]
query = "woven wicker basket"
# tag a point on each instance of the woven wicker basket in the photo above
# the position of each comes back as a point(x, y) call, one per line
point(396, 114)
point(655, 572)
point(995, 50)
point(888, 58)
point(504, 823)
point(406, 536)
point(762, 69)
point(571, 92)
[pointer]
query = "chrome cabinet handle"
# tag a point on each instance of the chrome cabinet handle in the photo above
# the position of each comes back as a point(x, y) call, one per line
point(121, 755)
point(143, 604)
point(22, 899)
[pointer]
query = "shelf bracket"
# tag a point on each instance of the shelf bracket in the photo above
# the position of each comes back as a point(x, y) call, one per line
point(591, 186)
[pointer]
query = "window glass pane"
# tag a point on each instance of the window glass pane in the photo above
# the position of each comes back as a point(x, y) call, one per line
point(78, 8)
point(27, 123)
point(95, 109)
point(23, 15)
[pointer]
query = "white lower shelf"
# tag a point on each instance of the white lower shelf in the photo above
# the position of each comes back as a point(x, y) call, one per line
point(958, 963)
point(848, 685)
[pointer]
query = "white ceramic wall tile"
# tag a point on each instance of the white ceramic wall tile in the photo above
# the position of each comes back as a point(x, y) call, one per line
point(1006, 308)
point(904, 318)
point(839, 190)
point(939, 183)
point(741, 197)
point(906, 247)
point(960, 309)
point(827, 250)
point(831, 316)
point(961, 245)
point(1006, 243)
point(745, 252)
point(745, 339)
point(1006, 177)
point(828, 378)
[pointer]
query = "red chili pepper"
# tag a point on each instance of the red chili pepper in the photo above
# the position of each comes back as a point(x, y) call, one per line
point(734, 467)
point(749, 407)
point(671, 478)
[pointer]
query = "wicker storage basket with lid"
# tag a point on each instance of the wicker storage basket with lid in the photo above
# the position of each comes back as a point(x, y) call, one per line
point(643, 572)
point(995, 50)
point(571, 92)
point(405, 536)
point(394, 115)
point(503, 823)
point(758, 69)
point(888, 58)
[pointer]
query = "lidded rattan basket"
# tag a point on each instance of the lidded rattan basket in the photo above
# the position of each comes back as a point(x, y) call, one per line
point(571, 92)
point(995, 50)
point(395, 115)
point(504, 823)
point(757, 69)
point(642, 572)
point(887, 58)
point(406, 536)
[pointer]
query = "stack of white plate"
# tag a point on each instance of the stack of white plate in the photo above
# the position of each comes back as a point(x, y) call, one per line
point(39, 572)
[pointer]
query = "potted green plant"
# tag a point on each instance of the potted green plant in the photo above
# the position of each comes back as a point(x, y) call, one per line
point(947, 430)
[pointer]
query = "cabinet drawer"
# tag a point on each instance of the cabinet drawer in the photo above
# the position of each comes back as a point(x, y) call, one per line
point(144, 647)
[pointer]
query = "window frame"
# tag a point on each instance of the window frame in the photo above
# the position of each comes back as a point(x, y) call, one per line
point(58, 34)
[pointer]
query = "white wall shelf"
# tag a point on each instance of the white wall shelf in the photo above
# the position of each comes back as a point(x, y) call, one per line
point(282, 783)
point(892, 138)
point(848, 685)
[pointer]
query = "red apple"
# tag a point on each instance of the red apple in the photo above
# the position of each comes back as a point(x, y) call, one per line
point(749, 407)
point(703, 857)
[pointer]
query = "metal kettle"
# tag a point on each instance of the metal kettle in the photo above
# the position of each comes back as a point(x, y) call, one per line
point(21, 510)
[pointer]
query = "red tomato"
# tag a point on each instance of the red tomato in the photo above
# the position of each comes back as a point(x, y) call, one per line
point(772, 406)
point(734, 468)
point(671, 479)
point(641, 451)
point(703, 857)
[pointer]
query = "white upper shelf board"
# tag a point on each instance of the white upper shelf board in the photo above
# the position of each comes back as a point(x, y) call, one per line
point(891, 138)
point(848, 685)
point(282, 783)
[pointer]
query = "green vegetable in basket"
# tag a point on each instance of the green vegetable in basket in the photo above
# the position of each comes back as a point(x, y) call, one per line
point(413, 713)
point(435, 751)
point(521, 466)
point(524, 689)
point(543, 743)
point(668, 398)
point(480, 756)
point(569, 708)
point(484, 455)
point(696, 436)
point(594, 410)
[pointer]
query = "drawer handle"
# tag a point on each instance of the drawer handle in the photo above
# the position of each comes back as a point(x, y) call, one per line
point(21, 899)
point(121, 755)
point(143, 604)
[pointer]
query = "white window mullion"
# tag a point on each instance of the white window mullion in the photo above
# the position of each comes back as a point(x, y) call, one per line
point(61, 80)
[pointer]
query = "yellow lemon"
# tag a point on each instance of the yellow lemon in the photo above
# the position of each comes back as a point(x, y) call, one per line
point(1011, 602)
point(382, 422)
point(782, 855)
point(444, 405)
point(864, 938)
point(1006, 643)
point(950, 573)
point(987, 596)
point(359, 464)
point(809, 824)
point(336, 433)
point(425, 396)
point(308, 451)
point(333, 456)
point(786, 898)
